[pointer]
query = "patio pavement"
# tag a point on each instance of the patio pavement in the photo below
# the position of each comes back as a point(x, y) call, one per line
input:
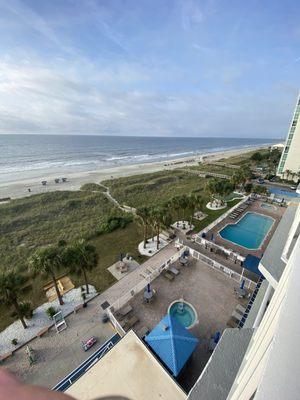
point(212, 295)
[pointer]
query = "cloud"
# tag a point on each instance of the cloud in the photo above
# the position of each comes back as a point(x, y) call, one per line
point(41, 99)
point(191, 14)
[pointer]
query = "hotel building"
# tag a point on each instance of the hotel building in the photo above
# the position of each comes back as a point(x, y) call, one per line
point(290, 158)
point(259, 359)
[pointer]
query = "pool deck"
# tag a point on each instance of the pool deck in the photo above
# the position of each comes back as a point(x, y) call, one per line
point(254, 207)
point(211, 294)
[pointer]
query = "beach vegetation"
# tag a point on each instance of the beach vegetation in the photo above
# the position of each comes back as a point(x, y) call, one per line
point(92, 187)
point(144, 215)
point(80, 258)
point(11, 288)
point(51, 311)
point(48, 261)
point(113, 222)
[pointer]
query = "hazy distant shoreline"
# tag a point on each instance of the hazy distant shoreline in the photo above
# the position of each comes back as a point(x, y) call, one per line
point(75, 180)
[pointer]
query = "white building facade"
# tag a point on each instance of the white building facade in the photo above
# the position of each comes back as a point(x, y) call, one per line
point(289, 165)
point(267, 349)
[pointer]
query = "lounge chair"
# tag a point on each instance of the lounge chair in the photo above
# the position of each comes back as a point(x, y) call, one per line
point(174, 270)
point(240, 309)
point(231, 323)
point(169, 276)
point(130, 322)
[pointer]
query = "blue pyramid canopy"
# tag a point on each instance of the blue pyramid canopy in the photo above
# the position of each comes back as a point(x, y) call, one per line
point(251, 264)
point(172, 343)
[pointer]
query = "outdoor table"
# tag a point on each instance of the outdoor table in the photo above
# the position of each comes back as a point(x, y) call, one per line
point(240, 292)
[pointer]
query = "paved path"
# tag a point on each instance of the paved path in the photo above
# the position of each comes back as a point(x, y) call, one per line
point(115, 201)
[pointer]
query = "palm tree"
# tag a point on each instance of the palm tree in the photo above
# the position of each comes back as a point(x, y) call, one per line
point(195, 202)
point(159, 217)
point(179, 204)
point(80, 257)
point(144, 214)
point(48, 260)
point(212, 187)
point(11, 285)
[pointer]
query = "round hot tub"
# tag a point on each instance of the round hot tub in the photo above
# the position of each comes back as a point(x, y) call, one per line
point(184, 312)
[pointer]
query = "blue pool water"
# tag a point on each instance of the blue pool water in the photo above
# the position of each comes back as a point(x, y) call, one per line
point(183, 313)
point(268, 207)
point(282, 192)
point(249, 231)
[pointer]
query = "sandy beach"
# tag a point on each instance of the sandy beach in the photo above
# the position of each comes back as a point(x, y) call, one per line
point(76, 180)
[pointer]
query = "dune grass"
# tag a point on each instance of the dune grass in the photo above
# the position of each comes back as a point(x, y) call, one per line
point(151, 189)
point(31, 222)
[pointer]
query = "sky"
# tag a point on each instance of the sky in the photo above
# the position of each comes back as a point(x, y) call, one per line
point(149, 68)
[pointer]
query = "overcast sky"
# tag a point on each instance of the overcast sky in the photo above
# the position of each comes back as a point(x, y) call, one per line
point(157, 67)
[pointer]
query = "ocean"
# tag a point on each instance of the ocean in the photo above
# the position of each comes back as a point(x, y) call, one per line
point(35, 156)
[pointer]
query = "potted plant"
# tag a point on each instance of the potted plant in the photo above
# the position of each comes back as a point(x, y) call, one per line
point(14, 341)
point(83, 295)
point(51, 311)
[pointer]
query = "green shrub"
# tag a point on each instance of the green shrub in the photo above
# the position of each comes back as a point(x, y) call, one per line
point(26, 310)
point(14, 341)
point(114, 222)
point(92, 187)
point(51, 311)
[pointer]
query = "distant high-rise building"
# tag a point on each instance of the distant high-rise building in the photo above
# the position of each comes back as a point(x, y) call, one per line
point(289, 164)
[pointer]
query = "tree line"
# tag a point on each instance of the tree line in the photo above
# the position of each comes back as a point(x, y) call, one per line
point(78, 258)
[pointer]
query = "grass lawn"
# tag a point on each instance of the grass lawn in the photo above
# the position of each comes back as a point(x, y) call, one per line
point(212, 215)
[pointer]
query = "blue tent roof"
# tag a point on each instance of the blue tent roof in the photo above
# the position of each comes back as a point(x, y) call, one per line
point(251, 263)
point(172, 342)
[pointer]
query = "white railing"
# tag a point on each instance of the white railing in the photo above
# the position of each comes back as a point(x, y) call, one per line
point(208, 244)
point(225, 270)
point(151, 274)
point(222, 217)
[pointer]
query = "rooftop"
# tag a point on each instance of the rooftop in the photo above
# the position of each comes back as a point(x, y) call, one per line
point(271, 260)
point(128, 370)
point(217, 378)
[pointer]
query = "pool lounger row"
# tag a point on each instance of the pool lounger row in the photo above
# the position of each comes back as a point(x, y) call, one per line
point(238, 211)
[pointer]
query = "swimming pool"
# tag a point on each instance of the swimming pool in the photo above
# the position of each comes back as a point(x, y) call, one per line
point(269, 207)
point(184, 313)
point(250, 231)
point(282, 193)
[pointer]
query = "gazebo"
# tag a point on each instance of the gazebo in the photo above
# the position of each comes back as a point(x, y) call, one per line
point(172, 343)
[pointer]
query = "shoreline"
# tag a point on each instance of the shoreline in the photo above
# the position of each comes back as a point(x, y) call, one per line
point(75, 180)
